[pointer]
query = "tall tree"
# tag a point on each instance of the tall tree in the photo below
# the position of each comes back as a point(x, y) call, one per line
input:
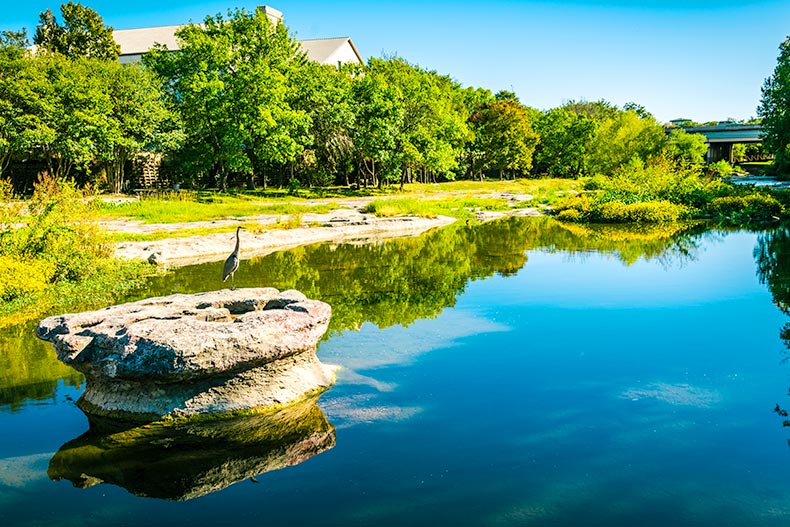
point(22, 103)
point(622, 137)
point(503, 138)
point(565, 142)
point(230, 81)
point(323, 92)
point(82, 34)
point(774, 110)
point(138, 119)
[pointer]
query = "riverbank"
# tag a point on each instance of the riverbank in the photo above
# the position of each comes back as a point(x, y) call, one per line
point(347, 222)
point(342, 225)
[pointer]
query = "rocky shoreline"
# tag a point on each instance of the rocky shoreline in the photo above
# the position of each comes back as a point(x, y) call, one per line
point(338, 226)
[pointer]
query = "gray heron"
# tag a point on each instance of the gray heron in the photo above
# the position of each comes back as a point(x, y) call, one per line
point(232, 263)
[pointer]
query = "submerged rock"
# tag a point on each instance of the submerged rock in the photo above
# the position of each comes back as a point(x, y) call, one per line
point(183, 355)
point(184, 460)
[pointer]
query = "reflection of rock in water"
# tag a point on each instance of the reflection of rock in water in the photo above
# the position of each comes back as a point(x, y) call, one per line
point(181, 461)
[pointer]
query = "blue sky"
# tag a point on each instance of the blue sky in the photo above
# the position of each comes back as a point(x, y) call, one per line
point(703, 60)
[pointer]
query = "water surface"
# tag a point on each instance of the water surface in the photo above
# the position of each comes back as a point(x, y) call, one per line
point(514, 373)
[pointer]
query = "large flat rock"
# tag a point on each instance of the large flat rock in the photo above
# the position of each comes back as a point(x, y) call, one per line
point(181, 355)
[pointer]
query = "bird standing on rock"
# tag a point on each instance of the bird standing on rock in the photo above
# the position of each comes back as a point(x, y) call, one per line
point(232, 263)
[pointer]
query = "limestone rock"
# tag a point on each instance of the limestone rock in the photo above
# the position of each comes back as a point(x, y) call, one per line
point(182, 355)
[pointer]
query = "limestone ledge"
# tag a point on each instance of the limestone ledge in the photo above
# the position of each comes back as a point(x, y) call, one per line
point(185, 355)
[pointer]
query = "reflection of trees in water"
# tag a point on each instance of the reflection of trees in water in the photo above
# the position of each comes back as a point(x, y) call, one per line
point(184, 460)
point(29, 370)
point(669, 244)
point(392, 282)
point(772, 256)
point(402, 280)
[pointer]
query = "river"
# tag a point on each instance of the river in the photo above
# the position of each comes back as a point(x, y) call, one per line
point(521, 372)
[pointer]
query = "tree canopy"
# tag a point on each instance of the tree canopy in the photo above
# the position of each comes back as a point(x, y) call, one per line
point(239, 103)
point(774, 110)
point(82, 33)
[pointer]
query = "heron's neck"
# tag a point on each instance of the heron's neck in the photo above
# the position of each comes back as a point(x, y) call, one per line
point(237, 242)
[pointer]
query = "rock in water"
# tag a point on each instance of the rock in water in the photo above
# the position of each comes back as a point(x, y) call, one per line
point(183, 355)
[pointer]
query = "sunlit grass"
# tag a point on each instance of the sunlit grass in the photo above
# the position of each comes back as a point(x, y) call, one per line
point(463, 207)
point(284, 222)
point(456, 198)
point(160, 210)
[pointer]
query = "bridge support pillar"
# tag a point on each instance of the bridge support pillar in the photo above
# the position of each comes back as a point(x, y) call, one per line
point(719, 151)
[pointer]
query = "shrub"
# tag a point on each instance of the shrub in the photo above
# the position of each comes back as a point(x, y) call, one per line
point(20, 277)
point(582, 203)
point(572, 215)
point(720, 169)
point(642, 212)
point(754, 207)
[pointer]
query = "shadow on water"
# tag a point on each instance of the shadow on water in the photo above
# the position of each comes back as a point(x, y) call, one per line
point(182, 461)
point(392, 282)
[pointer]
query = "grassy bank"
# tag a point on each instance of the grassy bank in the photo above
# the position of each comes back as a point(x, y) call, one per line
point(53, 257)
point(662, 191)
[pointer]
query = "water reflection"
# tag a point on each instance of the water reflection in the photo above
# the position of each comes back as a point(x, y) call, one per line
point(29, 370)
point(389, 283)
point(188, 460)
point(399, 281)
point(772, 256)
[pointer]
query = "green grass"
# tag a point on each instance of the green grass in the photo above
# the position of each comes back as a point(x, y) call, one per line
point(463, 207)
point(162, 210)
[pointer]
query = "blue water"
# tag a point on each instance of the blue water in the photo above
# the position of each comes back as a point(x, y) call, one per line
point(577, 391)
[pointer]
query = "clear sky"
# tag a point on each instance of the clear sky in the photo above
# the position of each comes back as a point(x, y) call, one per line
point(700, 59)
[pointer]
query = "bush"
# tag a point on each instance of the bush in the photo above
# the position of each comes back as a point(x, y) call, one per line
point(642, 212)
point(572, 215)
point(754, 207)
point(720, 169)
point(19, 277)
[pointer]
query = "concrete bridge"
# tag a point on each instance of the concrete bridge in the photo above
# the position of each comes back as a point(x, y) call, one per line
point(723, 136)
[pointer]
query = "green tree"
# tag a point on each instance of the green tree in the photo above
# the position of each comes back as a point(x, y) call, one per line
point(138, 118)
point(624, 136)
point(565, 140)
point(432, 129)
point(378, 121)
point(324, 93)
point(774, 110)
point(73, 110)
point(686, 147)
point(22, 105)
point(230, 81)
point(504, 140)
point(82, 34)
point(14, 39)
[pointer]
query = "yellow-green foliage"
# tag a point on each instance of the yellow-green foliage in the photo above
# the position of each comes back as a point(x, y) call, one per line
point(54, 256)
point(662, 191)
point(23, 277)
point(754, 207)
point(583, 208)
point(642, 212)
point(6, 190)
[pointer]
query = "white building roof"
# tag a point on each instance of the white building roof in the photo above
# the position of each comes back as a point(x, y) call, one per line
point(135, 42)
point(331, 50)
